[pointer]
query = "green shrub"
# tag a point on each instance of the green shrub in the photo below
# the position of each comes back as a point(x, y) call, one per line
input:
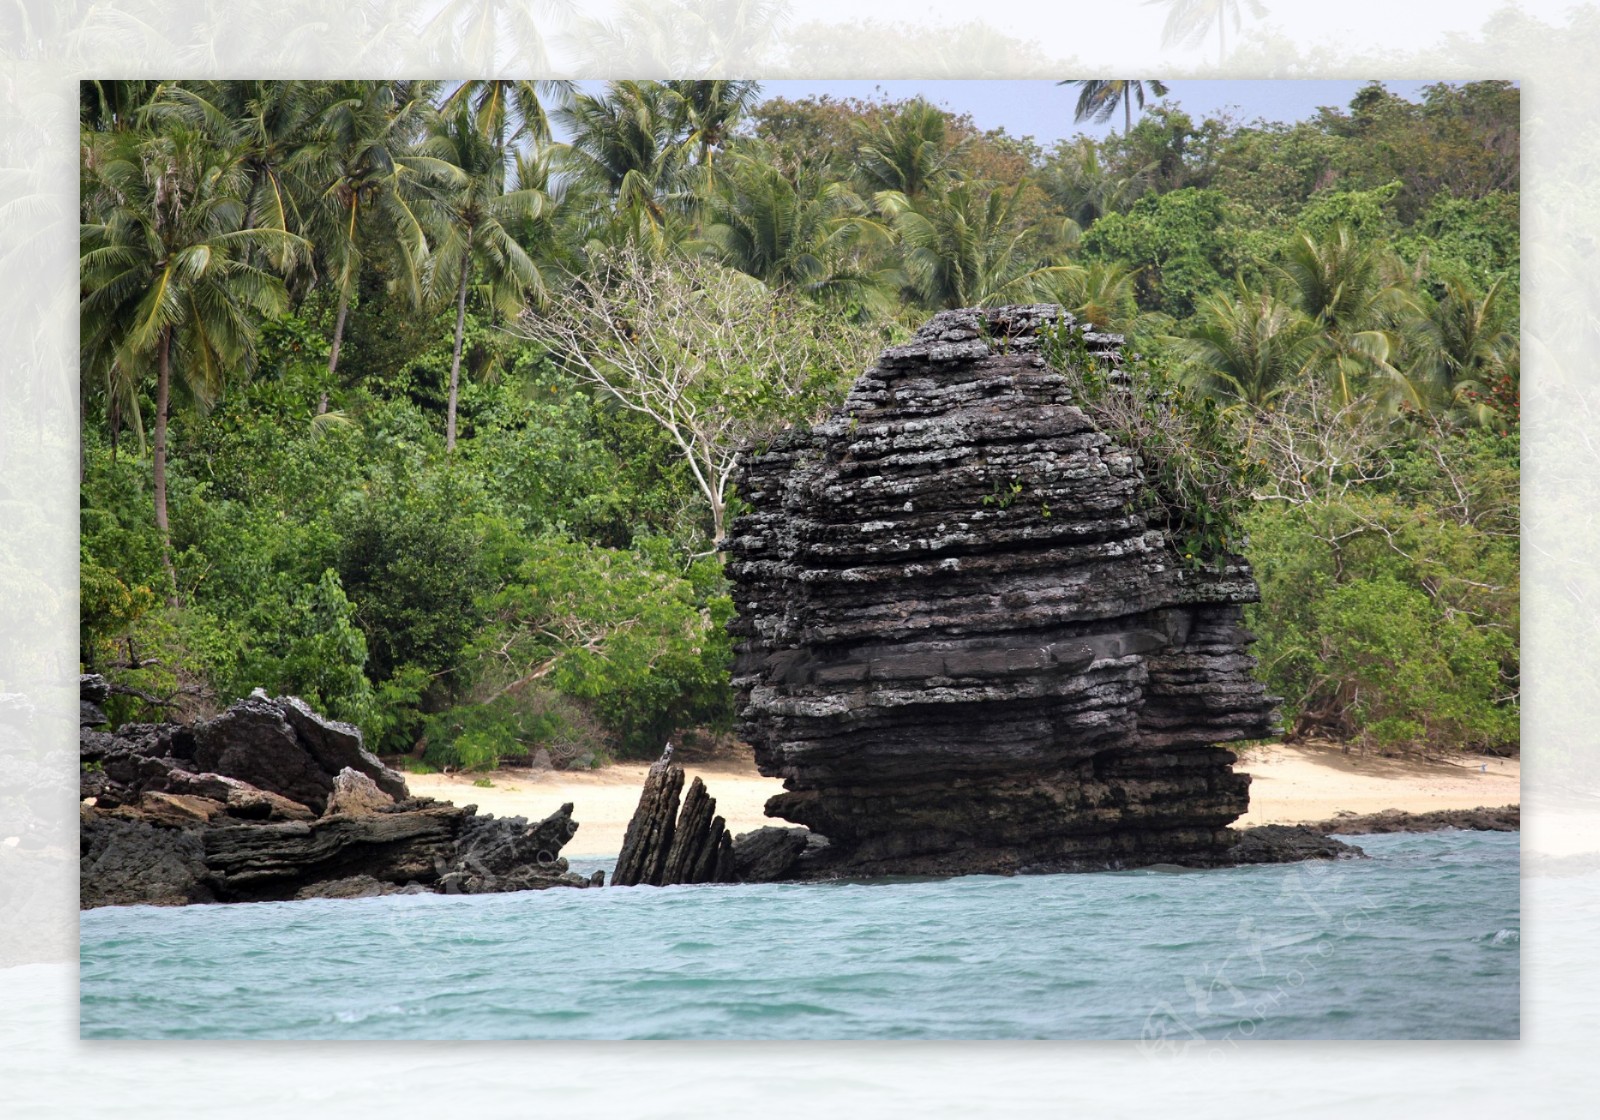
point(1390, 611)
point(412, 557)
point(1199, 475)
point(1178, 241)
point(1400, 671)
point(313, 649)
point(644, 649)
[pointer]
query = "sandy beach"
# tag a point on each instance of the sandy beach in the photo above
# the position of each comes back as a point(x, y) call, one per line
point(1292, 783)
point(1295, 782)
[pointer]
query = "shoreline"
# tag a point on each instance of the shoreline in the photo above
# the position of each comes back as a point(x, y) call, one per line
point(1292, 783)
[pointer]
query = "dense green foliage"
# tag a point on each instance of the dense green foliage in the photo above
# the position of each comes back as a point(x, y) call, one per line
point(1201, 479)
point(394, 401)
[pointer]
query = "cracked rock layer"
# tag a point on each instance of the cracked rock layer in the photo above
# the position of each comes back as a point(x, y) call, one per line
point(961, 642)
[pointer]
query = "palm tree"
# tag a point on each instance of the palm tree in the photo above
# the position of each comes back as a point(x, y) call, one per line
point(113, 106)
point(962, 248)
point(802, 233)
point(368, 179)
point(1087, 189)
point(1248, 347)
point(1189, 20)
point(1099, 293)
point(1098, 98)
point(267, 123)
point(908, 153)
point(326, 160)
point(625, 152)
point(1342, 286)
point(709, 111)
point(542, 232)
point(1464, 339)
point(509, 110)
point(167, 283)
point(474, 215)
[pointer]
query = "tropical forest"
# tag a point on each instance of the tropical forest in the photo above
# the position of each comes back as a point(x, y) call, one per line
point(424, 401)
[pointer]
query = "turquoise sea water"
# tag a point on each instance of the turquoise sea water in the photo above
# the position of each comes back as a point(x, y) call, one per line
point(1420, 941)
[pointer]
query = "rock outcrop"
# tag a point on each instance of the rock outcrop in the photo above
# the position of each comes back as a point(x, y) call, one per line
point(283, 746)
point(665, 845)
point(1285, 843)
point(960, 639)
point(93, 692)
point(270, 801)
point(766, 855)
point(1504, 818)
point(355, 794)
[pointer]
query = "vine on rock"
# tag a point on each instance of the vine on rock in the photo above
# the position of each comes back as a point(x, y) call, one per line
point(1200, 476)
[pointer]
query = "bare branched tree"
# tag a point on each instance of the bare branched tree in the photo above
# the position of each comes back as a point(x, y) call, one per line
point(1316, 446)
point(712, 356)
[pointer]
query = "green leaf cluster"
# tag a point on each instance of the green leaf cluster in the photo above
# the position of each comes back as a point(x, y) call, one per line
point(323, 452)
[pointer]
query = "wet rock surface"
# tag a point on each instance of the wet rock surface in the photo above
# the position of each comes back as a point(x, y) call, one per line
point(1505, 818)
point(961, 642)
point(666, 844)
point(1287, 843)
point(171, 815)
point(766, 855)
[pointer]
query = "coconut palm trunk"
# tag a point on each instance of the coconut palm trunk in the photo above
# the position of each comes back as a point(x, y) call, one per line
point(455, 360)
point(333, 350)
point(163, 400)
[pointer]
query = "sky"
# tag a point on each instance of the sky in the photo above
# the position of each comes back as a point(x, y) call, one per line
point(1043, 110)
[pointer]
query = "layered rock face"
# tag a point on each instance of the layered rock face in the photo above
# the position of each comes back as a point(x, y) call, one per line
point(270, 801)
point(664, 845)
point(960, 641)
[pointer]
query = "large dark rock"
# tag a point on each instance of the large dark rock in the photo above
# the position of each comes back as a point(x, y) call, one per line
point(265, 861)
point(176, 848)
point(962, 642)
point(252, 741)
point(1286, 843)
point(284, 747)
point(126, 862)
point(93, 692)
point(650, 829)
point(766, 855)
point(510, 854)
point(337, 746)
point(234, 812)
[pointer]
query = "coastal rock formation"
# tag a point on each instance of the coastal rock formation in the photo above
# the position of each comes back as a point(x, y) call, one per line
point(354, 794)
point(1504, 818)
point(169, 818)
point(283, 746)
point(1286, 843)
point(93, 692)
point(961, 641)
point(766, 855)
point(664, 845)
